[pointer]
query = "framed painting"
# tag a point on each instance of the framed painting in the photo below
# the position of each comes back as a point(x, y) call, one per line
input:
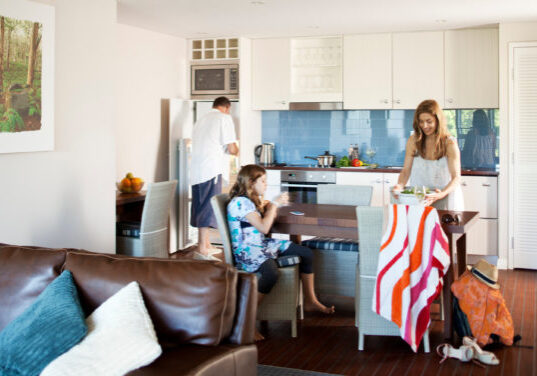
point(26, 76)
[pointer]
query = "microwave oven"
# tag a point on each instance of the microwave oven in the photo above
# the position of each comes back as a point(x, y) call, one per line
point(214, 80)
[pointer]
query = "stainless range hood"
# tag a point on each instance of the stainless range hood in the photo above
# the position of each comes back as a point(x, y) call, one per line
point(315, 106)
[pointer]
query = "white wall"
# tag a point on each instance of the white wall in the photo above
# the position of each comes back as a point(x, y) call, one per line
point(66, 198)
point(250, 127)
point(151, 66)
point(509, 32)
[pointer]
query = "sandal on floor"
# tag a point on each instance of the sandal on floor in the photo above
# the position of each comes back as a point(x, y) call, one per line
point(485, 357)
point(463, 353)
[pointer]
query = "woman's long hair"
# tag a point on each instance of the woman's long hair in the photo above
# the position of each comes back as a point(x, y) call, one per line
point(244, 184)
point(441, 134)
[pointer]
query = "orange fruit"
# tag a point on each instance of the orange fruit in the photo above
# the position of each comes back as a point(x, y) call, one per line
point(126, 183)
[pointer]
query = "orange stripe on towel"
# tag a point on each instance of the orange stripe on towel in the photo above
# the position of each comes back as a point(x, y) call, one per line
point(394, 227)
point(417, 252)
point(397, 297)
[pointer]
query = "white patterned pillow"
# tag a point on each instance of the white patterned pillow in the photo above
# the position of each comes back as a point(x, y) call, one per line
point(120, 339)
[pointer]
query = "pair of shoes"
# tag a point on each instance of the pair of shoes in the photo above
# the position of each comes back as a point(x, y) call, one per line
point(201, 256)
point(485, 357)
point(463, 353)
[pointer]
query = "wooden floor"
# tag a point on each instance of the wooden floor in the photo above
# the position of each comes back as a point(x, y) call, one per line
point(330, 344)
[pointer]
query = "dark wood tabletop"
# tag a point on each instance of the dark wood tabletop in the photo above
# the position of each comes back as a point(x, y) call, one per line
point(127, 198)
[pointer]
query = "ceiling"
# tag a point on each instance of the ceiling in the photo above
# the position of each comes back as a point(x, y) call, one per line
point(269, 18)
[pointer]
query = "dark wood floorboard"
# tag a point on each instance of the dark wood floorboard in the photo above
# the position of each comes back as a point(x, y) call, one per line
point(330, 343)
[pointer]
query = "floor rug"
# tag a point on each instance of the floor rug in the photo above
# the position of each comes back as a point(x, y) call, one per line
point(263, 370)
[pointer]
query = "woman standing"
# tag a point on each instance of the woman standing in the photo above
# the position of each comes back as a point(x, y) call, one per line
point(432, 159)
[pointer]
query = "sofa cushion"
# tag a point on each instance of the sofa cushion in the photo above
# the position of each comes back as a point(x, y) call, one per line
point(332, 244)
point(24, 273)
point(188, 301)
point(120, 338)
point(49, 327)
point(203, 361)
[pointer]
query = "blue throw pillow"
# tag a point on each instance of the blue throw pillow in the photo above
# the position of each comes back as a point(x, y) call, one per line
point(49, 327)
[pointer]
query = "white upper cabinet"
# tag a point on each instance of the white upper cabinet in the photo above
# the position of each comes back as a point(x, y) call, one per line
point(367, 71)
point(271, 74)
point(316, 69)
point(418, 68)
point(471, 68)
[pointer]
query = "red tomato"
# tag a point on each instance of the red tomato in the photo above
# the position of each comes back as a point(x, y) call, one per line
point(356, 162)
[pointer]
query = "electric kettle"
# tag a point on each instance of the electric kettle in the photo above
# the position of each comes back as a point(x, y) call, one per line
point(264, 154)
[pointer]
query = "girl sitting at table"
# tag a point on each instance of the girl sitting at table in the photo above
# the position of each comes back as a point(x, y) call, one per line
point(249, 219)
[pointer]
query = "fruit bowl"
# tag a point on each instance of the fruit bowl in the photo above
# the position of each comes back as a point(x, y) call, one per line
point(411, 196)
point(130, 185)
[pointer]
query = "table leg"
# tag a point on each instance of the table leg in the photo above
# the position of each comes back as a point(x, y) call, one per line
point(461, 254)
point(448, 280)
point(297, 239)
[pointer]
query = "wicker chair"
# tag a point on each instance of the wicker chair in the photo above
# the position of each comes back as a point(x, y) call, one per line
point(370, 234)
point(151, 234)
point(335, 259)
point(283, 300)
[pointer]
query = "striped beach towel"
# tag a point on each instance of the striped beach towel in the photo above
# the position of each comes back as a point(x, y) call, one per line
point(413, 258)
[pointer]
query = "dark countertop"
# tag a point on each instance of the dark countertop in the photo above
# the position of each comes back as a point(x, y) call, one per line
point(367, 169)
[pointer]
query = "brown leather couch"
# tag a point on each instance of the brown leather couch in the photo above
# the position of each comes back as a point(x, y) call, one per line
point(203, 312)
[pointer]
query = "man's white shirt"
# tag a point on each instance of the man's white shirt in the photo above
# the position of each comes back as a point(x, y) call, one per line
point(210, 136)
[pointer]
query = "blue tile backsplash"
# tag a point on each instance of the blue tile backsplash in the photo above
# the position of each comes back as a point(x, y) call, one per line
point(297, 134)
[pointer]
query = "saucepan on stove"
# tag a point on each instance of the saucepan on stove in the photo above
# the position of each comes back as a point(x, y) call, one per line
point(324, 160)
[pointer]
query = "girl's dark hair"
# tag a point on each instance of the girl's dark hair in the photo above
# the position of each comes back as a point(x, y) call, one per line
point(244, 184)
point(480, 122)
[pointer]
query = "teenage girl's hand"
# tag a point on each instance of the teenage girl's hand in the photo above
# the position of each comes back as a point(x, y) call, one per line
point(282, 199)
point(396, 189)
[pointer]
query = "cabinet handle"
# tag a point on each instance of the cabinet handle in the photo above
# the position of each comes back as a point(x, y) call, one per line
point(398, 101)
point(282, 102)
point(450, 100)
point(463, 184)
point(387, 181)
point(485, 185)
point(385, 101)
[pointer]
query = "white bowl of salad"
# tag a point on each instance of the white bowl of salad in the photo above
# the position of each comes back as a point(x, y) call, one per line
point(412, 195)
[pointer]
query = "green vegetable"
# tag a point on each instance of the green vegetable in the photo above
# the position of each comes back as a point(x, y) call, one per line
point(343, 162)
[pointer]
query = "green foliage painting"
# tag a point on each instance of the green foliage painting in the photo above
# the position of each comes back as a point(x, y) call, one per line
point(20, 75)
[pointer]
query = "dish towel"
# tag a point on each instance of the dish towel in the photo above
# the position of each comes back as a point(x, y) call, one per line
point(413, 258)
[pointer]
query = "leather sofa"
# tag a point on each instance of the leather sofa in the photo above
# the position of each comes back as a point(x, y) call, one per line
point(203, 312)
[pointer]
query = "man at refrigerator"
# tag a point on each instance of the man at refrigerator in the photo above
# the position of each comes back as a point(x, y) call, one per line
point(213, 137)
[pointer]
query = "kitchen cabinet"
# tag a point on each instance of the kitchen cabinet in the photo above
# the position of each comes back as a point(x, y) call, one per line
point(471, 68)
point(381, 183)
point(316, 69)
point(481, 194)
point(271, 73)
point(384, 71)
point(418, 68)
point(367, 70)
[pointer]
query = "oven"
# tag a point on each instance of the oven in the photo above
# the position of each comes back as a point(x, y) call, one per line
point(302, 185)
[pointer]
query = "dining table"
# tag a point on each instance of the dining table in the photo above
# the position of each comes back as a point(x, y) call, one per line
point(339, 221)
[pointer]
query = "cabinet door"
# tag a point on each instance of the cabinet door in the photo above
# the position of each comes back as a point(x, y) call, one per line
point(271, 70)
point(367, 69)
point(373, 179)
point(481, 194)
point(482, 238)
point(471, 68)
point(274, 177)
point(418, 68)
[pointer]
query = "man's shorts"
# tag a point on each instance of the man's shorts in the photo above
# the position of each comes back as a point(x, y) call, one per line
point(201, 214)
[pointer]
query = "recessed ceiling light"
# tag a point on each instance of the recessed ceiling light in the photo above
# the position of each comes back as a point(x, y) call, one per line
point(440, 21)
point(257, 2)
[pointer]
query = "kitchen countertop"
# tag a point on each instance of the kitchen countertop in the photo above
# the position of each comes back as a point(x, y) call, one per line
point(367, 169)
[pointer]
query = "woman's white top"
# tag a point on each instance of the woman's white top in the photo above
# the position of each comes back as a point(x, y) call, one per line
point(435, 174)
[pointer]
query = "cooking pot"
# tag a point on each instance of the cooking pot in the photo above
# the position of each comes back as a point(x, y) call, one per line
point(324, 160)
